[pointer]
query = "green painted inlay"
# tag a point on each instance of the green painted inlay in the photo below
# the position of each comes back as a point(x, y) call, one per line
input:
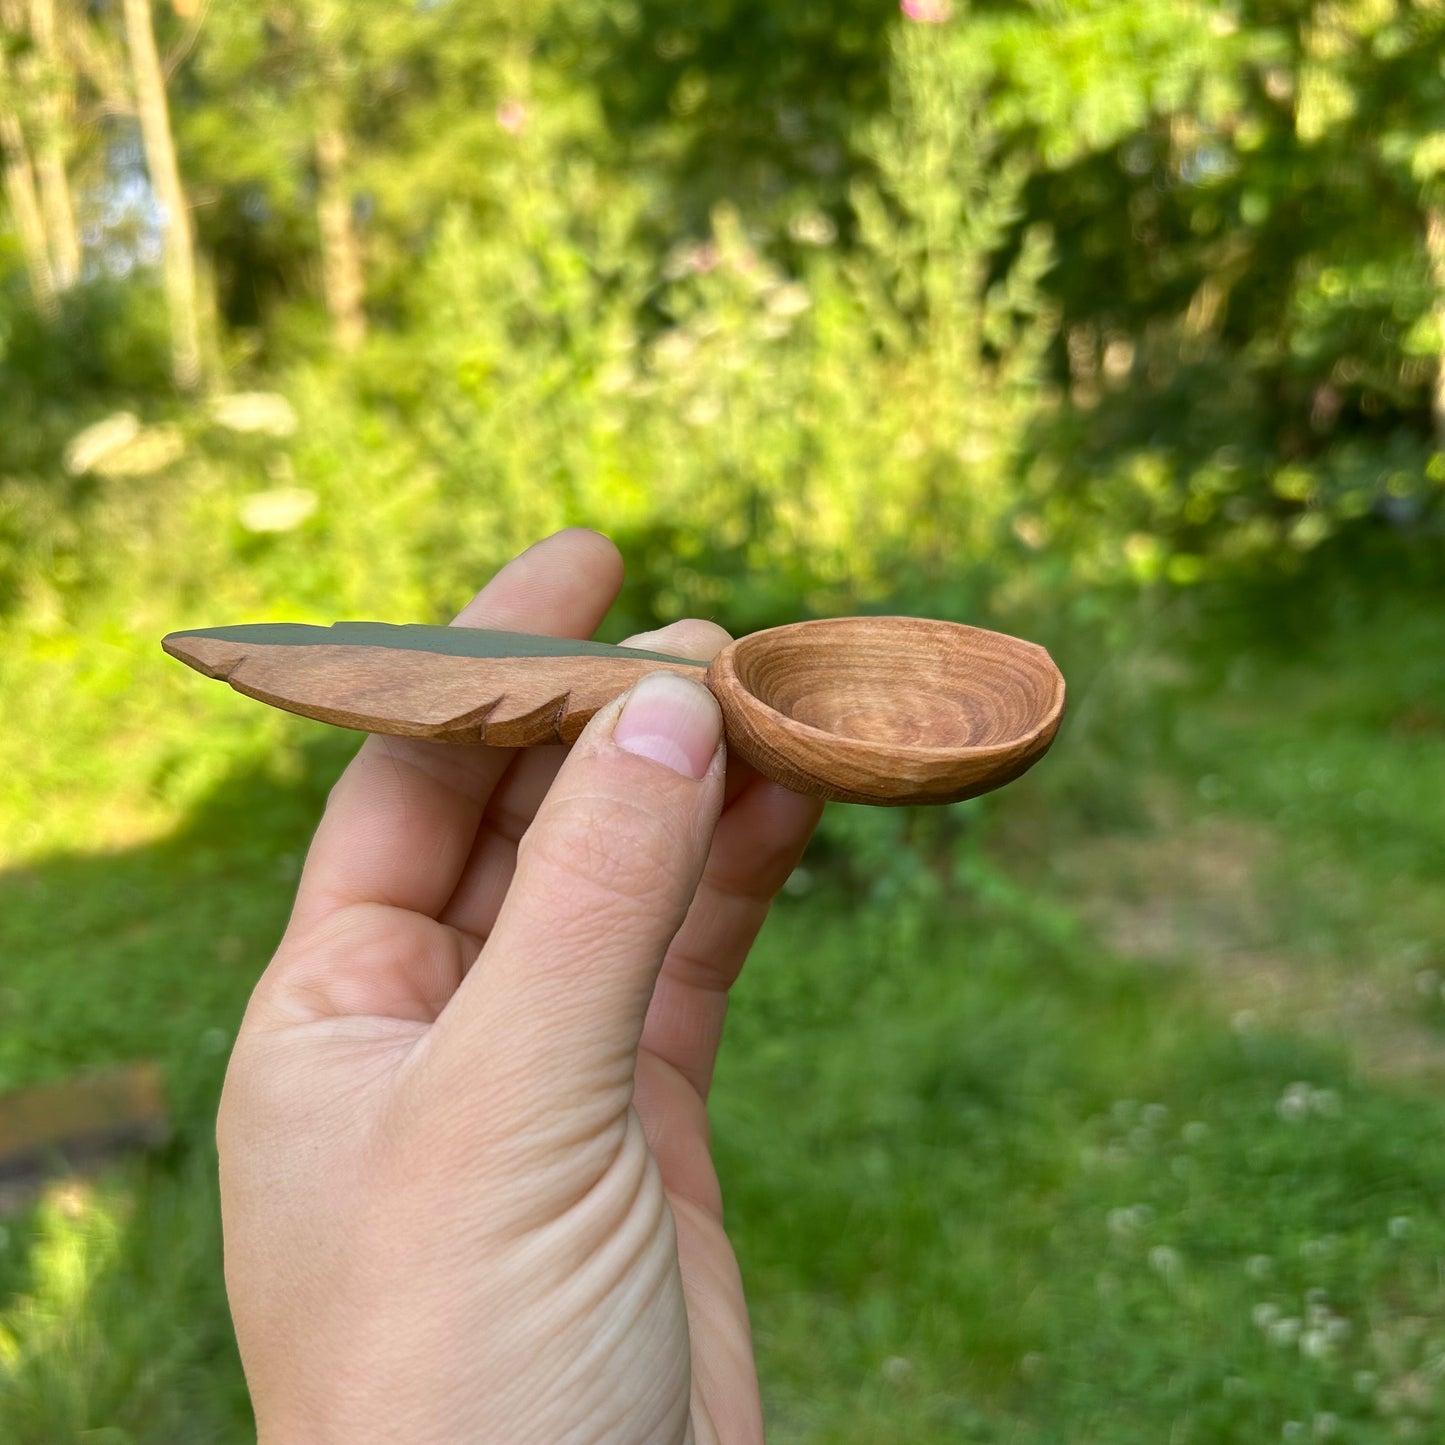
point(421, 637)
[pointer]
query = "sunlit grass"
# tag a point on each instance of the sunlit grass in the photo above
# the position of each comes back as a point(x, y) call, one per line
point(1088, 1116)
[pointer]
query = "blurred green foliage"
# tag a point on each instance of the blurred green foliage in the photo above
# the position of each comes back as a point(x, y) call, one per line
point(829, 306)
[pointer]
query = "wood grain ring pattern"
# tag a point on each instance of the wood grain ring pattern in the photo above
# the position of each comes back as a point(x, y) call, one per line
point(888, 710)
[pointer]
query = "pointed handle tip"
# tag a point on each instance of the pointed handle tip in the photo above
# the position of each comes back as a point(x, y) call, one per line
point(212, 656)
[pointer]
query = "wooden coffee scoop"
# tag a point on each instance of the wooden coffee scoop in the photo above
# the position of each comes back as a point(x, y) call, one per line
point(886, 710)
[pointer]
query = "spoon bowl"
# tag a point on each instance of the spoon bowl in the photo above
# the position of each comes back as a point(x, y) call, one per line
point(888, 710)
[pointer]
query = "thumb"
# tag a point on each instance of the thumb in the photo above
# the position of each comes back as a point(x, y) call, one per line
point(554, 1005)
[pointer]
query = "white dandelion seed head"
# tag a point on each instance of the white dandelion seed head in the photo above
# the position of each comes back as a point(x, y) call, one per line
point(896, 1369)
point(1165, 1261)
point(1294, 1104)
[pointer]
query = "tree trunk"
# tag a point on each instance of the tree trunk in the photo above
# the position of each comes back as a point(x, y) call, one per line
point(55, 105)
point(1435, 249)
point(342, 281)
point(21, 193)
point(182, 297)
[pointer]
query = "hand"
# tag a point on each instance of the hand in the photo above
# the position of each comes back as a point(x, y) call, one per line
point(466, 1184)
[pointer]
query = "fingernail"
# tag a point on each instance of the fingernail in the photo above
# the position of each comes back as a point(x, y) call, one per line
point(672, 721)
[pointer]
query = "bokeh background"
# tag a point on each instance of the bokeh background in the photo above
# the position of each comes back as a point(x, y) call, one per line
point(1103, 1110)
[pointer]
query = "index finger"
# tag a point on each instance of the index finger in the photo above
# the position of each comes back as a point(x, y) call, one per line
point(400, 822)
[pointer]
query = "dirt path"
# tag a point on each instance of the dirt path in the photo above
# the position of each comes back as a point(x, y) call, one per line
point(1204, 893)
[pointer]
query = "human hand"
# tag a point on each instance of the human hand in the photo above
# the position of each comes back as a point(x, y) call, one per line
point(466, 1184)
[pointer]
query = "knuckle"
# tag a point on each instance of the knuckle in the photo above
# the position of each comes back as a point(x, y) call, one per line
point(606, 850)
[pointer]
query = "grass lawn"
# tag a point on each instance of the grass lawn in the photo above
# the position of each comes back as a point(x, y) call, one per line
point(1105, 1114)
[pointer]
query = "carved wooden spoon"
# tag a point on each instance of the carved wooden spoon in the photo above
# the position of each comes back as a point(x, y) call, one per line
point(885, 710)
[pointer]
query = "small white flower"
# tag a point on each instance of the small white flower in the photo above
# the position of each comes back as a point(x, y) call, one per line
point(1121, 1223)
point(1314, 1344)
point(1284, 1332)
point(897, 1370)
point(1401, 1227)
point(1326, 1423)
point(813, 228)
point(1294, 1104)
point(1165, 1261)
point(1155, 1116)
point(1366, 1381)
point(1293, 1430)
point(1259, 1266)
point(1326, 1103)
point(1194, 1133)
point(1264, 1314)
point(791, 299)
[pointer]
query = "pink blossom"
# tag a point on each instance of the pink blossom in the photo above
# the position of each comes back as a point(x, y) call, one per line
point(703, 258)
point(512, 117)
point(927, 12)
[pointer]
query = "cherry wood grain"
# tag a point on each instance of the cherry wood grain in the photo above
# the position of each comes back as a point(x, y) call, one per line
point(882, 710)
point(888, 710)
point(509, 702)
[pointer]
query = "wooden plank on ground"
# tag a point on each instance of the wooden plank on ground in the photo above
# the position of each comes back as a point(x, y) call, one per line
point(81, 1122)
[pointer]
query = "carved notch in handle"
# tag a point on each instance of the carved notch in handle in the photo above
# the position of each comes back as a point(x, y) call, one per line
point(512, 702)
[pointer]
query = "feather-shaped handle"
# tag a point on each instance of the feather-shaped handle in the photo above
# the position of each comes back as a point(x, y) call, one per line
point(453, 684)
